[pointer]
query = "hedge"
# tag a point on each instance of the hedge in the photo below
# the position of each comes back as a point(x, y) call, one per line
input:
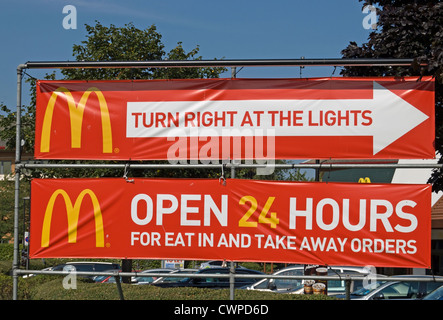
point(53, 290)
point(50, 287)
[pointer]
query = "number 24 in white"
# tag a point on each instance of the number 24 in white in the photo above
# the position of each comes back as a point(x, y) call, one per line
point(245, 222)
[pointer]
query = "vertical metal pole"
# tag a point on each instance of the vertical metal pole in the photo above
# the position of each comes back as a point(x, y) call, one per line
point(233, 75)
point(15, 263)
point(233, 72)
point(119, 287)
point(317, 171)
point(26, 203)
point(232, 266)
point(232, 281)
point(348, 289)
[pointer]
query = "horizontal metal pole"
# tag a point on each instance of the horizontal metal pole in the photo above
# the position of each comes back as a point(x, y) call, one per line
point(357, 62)
point(325, 166)
point(117, 166)
point(244, 276)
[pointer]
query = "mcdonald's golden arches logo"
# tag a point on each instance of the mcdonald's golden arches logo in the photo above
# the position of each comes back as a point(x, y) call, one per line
point(73, 212)
point(364, 180)
point(76, 116)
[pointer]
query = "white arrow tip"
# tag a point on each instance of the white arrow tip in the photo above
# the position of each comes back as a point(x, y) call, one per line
point(394, 117)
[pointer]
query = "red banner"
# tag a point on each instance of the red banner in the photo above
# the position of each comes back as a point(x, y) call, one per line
point(242, 220)
point(212, 119)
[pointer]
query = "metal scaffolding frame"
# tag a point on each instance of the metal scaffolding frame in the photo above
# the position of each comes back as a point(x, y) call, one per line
point(343, 62)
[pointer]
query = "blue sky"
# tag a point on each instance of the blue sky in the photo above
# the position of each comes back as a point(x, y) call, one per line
point(32, 30)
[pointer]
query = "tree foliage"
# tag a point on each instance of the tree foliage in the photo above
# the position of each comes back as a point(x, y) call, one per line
point(407, 29)
point(7, 194)
point(8, 125)
point(131, 44)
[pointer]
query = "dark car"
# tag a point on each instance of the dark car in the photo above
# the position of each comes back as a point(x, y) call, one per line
point(212, 281)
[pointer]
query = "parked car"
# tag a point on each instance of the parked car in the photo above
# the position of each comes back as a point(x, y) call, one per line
point(217, 264)
point(148, 279)
point(296, 286)
point(174, 279)
point(396, 290)
point(88, 266)
point(437, 294)
point(84, 266)
point(212, 281)
point(372, 285)
point(145, 277)
point(105, 279)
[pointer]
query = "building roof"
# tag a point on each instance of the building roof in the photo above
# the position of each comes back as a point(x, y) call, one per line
point(437, 214)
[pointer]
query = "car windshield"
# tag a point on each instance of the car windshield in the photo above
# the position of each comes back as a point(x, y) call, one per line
point(175, 279)
point(207, 271)
point(283, 284)
point(368, 288)
point(148, 278)
point(100, 278)
point(210, 273)
point(435, 295)
point(105, 267)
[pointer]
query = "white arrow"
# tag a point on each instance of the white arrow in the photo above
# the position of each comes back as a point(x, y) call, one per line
point(395, 118)
point(386, 117)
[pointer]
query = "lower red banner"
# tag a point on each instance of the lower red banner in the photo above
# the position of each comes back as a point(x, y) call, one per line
point(241, 220)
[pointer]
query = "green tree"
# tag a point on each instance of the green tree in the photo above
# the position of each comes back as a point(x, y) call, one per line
point(131, 44)
point(407, 29)
point(8, 130)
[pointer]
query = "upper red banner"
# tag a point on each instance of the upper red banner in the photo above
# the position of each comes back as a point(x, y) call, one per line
point(242, 220)
point(211, 119)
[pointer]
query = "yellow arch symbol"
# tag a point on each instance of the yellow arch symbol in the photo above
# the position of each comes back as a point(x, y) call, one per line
point(364, 180)
point(73, 215)
point(76, 117)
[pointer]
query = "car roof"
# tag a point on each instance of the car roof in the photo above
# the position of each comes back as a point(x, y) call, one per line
point(87, 262)
point(424, 276)
point(158, 270)
point(184, 270)
point(341, 268)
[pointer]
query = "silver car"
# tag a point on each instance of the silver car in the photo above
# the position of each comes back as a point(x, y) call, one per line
point(396, 290)
point(144, 277)
point(437, 294)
